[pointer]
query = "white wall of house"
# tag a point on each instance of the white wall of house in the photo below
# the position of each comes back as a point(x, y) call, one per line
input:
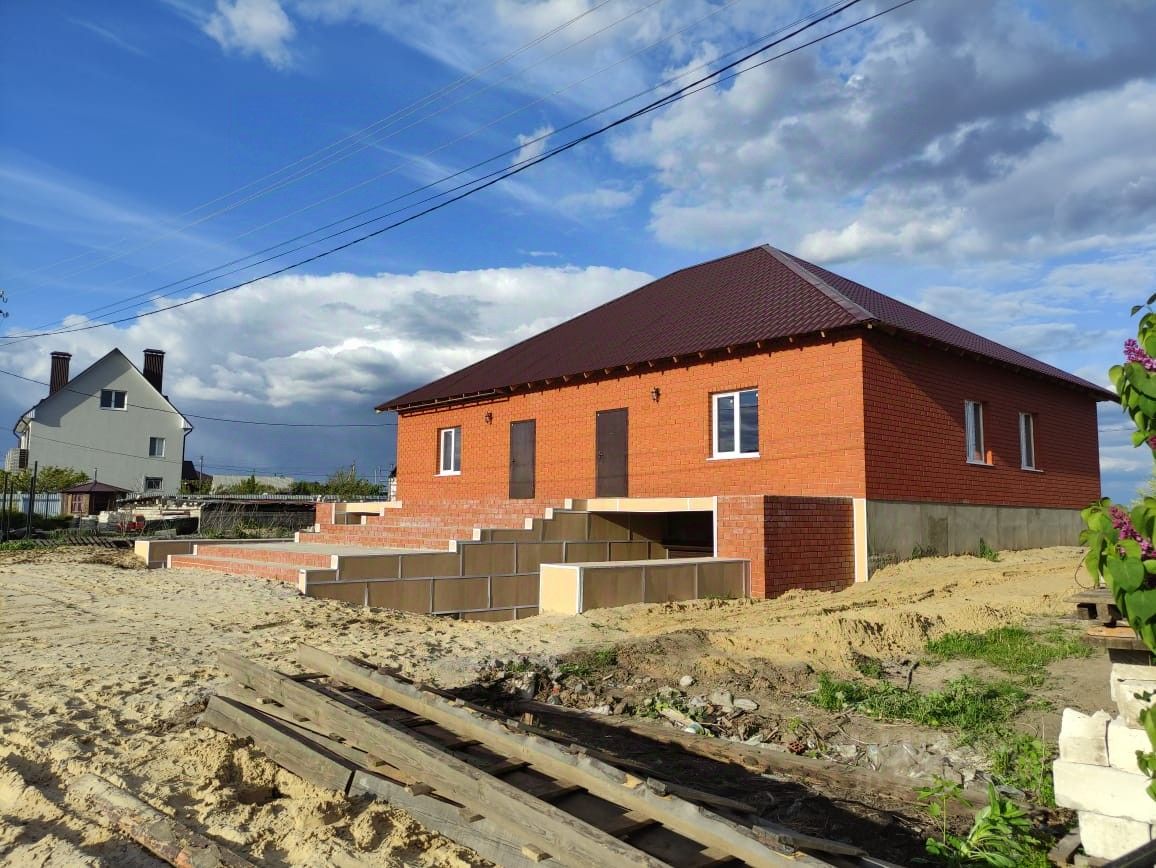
point(71, 429)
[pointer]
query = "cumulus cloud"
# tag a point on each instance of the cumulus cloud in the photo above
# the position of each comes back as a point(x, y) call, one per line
point(340, 340)
point(532, 145)
point(253, 27)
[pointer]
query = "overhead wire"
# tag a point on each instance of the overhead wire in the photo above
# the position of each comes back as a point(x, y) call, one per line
point(359, 135)
point(116, 306)
point(477, 184)
point(65, 388)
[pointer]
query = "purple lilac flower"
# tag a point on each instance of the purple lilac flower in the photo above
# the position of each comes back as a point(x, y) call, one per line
point(1123, 525)
point(1134, 353)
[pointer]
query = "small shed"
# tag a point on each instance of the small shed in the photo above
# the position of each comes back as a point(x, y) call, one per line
point(90, 498)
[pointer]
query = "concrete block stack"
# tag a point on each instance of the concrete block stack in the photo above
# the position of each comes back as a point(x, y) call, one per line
point(1096, 774)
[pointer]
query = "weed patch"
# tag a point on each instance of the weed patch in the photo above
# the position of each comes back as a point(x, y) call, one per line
point(589, 663)
point(967, 704)
point(1015, 650)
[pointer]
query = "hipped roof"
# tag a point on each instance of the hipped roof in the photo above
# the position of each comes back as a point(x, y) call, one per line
point(761, 294)
point(93, 488)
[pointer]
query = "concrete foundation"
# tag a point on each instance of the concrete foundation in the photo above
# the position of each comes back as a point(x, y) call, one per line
point(903, 529)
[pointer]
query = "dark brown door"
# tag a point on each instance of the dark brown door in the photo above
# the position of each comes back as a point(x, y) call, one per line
point(610, 464)
point(522, 455)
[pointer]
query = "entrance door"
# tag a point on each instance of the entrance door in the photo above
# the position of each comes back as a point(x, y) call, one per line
point(522, 456)
point(610, 464)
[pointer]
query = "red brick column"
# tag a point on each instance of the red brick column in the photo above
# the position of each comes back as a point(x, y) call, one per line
point(739, 533)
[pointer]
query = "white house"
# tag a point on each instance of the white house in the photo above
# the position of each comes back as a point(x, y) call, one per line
point(112, 421)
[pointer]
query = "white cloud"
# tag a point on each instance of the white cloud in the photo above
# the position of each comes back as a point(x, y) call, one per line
point(532, 145)
point(339, 339)
point(258, 27)
point(599, 201)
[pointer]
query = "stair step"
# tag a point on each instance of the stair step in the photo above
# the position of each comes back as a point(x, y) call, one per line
point(280, 572)
point(267, 554)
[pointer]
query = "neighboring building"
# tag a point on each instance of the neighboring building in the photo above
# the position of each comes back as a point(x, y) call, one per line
point(111, 421)
point(90, 498)
point(831, 424)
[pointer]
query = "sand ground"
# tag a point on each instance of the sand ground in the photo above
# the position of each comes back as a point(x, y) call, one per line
point(105, 670)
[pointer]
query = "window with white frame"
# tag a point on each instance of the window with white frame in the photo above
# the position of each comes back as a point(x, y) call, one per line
point(973, 432)
point(156, 447)
point(450, 460)
point(112, 399)
point(1027, 441)
point(736, 424)
point(153, 483)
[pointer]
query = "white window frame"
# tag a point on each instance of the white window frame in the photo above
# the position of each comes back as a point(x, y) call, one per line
point(1028, 441)
point(112, 393)
point(159, 486)
point(973, 433)
point(450, 451)
point(153, 451)
point(736, 410)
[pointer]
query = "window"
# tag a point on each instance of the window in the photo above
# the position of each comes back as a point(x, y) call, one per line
point(111, 399)
point(153, 483)
point(451, 451)
point(973, 431)
point(1027, 441)
point(736, 424)
point(156, 447)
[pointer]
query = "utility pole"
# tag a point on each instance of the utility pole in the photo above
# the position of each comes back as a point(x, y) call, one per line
point(31, 499)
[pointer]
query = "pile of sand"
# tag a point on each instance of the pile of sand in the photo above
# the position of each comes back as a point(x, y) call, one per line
point(106, 670)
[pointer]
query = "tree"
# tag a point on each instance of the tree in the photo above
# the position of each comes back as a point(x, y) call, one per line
point(1121, 542)
point(47, 478)
point(347, 485)
point(247, 486)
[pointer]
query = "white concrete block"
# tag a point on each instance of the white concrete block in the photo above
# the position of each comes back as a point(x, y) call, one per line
point(1103, 790)
point(1123, 742)
point(1083, 737)
point(1109, 837)
point(1133, 671)
point(1126, 693)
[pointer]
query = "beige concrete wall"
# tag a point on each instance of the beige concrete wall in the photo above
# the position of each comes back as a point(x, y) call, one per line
point(567, 589)
point(897, 528)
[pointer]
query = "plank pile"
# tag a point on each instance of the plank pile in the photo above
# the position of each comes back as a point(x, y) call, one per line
point(490, 784)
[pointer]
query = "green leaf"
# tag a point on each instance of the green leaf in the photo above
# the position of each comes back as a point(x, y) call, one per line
point(1125, 575)
point(1136, 309)
point(1141, 606)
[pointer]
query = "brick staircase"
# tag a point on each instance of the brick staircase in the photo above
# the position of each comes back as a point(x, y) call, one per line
point(353, 554)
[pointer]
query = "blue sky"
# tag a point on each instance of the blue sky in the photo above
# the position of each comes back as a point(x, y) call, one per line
point(990, 161)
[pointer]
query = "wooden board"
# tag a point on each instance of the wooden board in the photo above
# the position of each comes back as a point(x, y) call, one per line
point(289, 749)
point(593, 775)
point(547, 827)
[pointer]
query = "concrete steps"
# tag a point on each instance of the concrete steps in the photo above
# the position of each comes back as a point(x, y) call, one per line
point(238, 567)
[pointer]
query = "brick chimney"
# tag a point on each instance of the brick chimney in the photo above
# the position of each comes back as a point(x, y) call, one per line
point(59, 378)
point(154, 367)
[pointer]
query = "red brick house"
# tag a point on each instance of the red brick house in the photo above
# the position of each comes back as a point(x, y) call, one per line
point(830, 423)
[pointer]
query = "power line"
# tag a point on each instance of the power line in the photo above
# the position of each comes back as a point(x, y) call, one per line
point(681, 93)
point(351, 138)
point(121, 305)
point(211, 418)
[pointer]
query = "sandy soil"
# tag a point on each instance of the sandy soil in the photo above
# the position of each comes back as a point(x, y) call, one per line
point(106, 669)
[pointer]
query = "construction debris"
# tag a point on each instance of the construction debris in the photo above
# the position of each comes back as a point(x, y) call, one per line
point(162, 836)
point(494, 785)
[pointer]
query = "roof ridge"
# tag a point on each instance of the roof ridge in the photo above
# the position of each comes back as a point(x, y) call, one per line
point(854, 308)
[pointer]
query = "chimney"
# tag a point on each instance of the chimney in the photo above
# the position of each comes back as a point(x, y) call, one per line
point(59, 378)
point(154, 367)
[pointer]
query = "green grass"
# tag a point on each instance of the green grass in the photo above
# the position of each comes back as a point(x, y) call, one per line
point(19, 545)
point(1025, 762)
point(1015, 650)
point(586, 664)
point(967, 704)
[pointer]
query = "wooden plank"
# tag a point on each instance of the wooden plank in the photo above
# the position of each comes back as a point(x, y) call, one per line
point(481, 834)
point(161, 835)
point(596, 777)
point(285, 747)
point(571, 841)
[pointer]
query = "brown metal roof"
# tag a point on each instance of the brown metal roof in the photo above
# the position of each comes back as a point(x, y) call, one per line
point(93, 488)
point(761, 294)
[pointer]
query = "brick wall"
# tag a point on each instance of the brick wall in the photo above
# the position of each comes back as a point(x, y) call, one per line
point(739, 533)
point(810, 431)
point(914, 400)
point(810, 543)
